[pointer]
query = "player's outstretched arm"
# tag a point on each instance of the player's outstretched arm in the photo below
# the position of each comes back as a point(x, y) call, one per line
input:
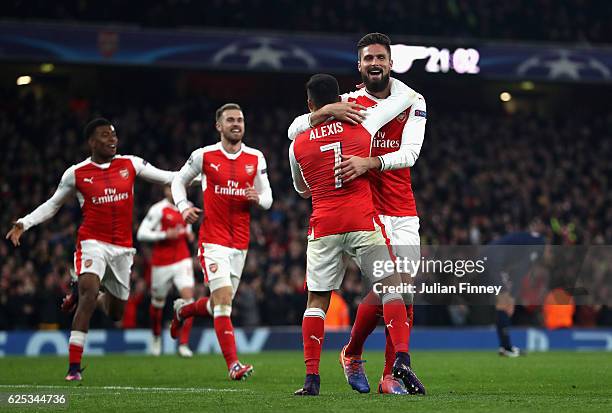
point(150, 173)
point(261, 193)
point(48, 209)
point(406, 156)
point(401, 98)
point(191, 169)
point(350, 112)
point(412, 139)
point(300, 185)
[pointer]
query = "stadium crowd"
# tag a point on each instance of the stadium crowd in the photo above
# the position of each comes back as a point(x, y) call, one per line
point(542, 20)
point(477, 177)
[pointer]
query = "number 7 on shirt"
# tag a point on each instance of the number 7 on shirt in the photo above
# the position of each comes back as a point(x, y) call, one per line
point(337, 148)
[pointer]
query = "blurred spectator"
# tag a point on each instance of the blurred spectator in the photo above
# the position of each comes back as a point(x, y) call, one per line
point(558, 310)
point(337, 317)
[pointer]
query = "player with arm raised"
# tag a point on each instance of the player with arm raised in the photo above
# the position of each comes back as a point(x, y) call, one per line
point(104, 187)
point(344, 220)
point(171, 261)
point(234, 177)
point(395, 148)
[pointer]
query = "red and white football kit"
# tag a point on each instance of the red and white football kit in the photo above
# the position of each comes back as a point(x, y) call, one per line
point(106, 195)
point(225, 230)
point(397, 144)
point(344, 218)
point(171, 259)
point(171, 263)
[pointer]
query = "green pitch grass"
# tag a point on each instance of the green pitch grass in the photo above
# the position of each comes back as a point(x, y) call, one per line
point(473, 381)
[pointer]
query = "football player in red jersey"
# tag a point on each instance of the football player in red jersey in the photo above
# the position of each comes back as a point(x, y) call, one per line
point(104, 187)
point(344, 220)
point(171, 264)
point(234, 177)
point(395, 148)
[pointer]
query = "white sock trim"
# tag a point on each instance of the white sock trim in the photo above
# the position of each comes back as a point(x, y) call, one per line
point(222, 310)
point(158, 302)
point(314, 312)
point(77, 338)
point(390, 297)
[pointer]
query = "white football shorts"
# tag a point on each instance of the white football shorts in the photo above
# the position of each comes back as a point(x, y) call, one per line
point(403, 232)
point(111, 263)
point(222, 265)
point(163, 276)
point(325, 257)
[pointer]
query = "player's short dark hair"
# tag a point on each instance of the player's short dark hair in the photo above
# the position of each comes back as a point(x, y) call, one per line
point(90, 128)
point(227, 106)
point(374, 38)
point(322, 89)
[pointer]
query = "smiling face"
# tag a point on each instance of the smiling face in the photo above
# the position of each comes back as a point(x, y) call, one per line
point(231, 125)
point(375, 67)
point(103, 142)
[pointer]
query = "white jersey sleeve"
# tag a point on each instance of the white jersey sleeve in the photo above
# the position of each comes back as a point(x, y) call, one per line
point(191, 169)
point(400, 99)
point(299, 183)
point(299, 125)
point(65, 190)
point(150, 173)
point(262, 184)
point(302, 123)
point(412, 139)
point(150, 227)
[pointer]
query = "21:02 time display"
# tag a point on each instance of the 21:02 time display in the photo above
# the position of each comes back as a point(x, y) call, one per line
point(460, 60)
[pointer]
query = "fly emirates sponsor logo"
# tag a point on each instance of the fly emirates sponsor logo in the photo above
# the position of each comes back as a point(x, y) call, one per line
point(326, 130)
point(110, 195)
point(380, 141)
point(230, 189)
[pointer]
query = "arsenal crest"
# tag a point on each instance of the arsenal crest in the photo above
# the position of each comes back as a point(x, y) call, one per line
point(125, 174)
point(213, 267)
point(401, 118)
point(88, 263)
point(249, 169)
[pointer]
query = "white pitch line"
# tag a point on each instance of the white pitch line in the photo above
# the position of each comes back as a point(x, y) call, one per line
point(128, 388)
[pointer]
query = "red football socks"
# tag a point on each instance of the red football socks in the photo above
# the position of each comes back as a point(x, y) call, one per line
point(396, 321)
point(185, 331)
point(75, 353)
point(75, 348)
point(313, 327)
point(197, 308)
point(156, 320)
point(225, 334)
point(365, 322)
point(390, 349)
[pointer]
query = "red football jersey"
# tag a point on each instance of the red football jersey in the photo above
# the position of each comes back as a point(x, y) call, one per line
point(337, 207)
point(106, 196)
point(225, 179)
point(392, 190)
point(161, 217)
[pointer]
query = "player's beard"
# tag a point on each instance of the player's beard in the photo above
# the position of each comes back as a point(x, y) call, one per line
point(231, 138)
point(376, 86)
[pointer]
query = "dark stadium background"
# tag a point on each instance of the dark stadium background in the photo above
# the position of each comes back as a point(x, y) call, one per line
point(486, 167)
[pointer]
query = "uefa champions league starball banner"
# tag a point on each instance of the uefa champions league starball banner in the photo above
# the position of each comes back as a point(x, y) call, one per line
point(204, 341)
point(258, 51)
